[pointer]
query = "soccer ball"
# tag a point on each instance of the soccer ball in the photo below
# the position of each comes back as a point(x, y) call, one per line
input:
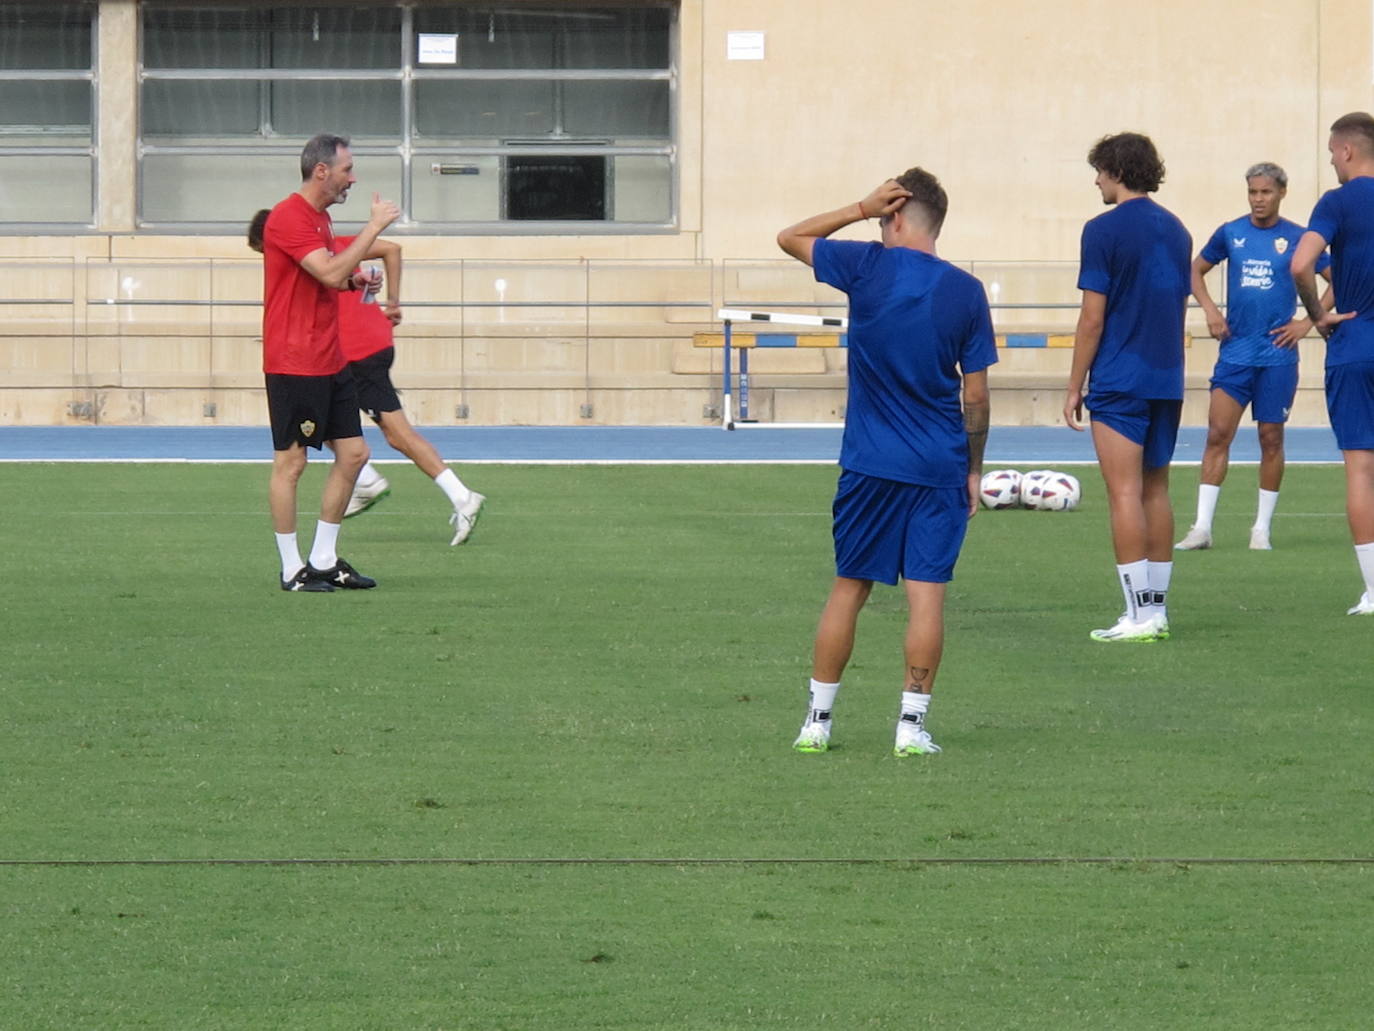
point(1031, 484)
point(1049, 491)
point(1001, 488)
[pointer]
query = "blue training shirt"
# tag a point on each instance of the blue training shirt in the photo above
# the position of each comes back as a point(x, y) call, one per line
point(1260, 295)
point(915, 321)
point(1140, 256)
point(1344, 218)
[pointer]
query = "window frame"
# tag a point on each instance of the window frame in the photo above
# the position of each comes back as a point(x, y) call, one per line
point(409, 73)
point(91, 151)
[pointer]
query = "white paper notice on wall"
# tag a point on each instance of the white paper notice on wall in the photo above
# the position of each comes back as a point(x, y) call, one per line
point(744, 46)
point(437, 48)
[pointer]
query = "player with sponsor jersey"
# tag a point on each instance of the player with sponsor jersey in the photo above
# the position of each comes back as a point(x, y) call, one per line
point(1257, 363)
point(366, 336)
point(916, 424)
point(311, 397)
point(1128, 357)
point(1344, 221)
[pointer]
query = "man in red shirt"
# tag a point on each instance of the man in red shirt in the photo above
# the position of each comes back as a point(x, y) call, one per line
point(310, 394)
point(366, 336)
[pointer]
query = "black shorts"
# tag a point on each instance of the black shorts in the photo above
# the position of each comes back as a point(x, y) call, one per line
point(376, 394)
point(312, 409)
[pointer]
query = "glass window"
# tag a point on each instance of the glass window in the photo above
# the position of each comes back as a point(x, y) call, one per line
point(47, 114)
point(523, 115)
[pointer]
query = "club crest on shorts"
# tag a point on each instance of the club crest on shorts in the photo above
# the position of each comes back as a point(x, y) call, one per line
point(1280, 244)
point(307, 428)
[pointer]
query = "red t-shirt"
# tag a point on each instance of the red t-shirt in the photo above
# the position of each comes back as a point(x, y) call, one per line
point(300, 320)
point(363, 329)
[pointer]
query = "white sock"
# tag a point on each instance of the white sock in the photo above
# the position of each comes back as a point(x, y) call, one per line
point(368, 475)
point(1207, 494)
point(290, 552)
point(1364, 555)
point(448, 482)
point(322, 553)
point(1159, 575)
point(915, 705)
point(1135, 588)
point(822, 699)
point(1264, 513)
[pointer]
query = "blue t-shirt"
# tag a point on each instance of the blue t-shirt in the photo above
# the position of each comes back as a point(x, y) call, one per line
point(915, 321)
point(1344, 218)
point(1260, 295)
point(1139, 256)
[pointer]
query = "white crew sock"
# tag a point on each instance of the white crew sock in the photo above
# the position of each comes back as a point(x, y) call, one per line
point(1207, 494)
point(290, 552)
point(323, 553)
point(368, 476)
point(1135, 588)
point(448, 482)
point(822, 699)
point(915, 705)
point(1364, 555)
point(1159, 574)
point(1264, 513)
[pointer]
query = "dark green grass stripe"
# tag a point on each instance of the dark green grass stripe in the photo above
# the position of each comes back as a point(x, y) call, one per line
point(724, 861)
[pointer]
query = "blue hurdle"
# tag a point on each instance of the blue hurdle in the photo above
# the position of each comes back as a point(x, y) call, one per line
point(729, 316)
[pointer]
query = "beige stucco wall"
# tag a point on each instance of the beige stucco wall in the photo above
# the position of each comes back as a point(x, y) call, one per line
point(1002, 101)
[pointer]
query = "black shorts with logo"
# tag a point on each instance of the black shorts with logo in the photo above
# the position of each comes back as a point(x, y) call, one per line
point(309, 410)
point(376, 395)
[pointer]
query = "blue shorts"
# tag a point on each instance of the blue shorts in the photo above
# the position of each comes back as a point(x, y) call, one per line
point(1268, 389)
point(1350, 405)
point(885, 529)
point(1152, 424)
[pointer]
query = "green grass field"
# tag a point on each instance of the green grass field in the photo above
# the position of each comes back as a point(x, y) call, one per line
point(614, 669)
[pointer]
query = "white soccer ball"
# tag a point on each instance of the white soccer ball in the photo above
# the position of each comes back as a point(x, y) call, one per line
point(1059, 492)
point(1001, 488)
point(1031, 484)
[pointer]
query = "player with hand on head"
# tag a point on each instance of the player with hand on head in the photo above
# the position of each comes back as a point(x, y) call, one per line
point(311, 397)
point(1128, 354)
point(1344, 221)
point(1257, 364)
point(366, 337)
point(916, 424)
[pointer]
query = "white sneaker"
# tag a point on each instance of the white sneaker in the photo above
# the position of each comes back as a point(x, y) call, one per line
point(1196, 539)
point(1130, 630)
point(365, 497)
point(1259, 539)
point(913, 739)
point(814, 736)
point(1364, 607)
point(464, 517)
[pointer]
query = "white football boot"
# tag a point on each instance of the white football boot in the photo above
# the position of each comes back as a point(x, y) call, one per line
point(1196, 539)
point(1364, 607)
point(1138, 632)
point(1259, 539)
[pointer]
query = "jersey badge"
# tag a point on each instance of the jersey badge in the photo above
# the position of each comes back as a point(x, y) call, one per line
point(308, 428)
point(1280, 244)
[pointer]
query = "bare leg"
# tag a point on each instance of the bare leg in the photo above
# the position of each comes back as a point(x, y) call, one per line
point(835, 633)
point(1223, 418)
point(1271, 455)
point(1123, 473)
point(350, 455)
point(925, 634)
point(287, 467)
point(1159, 514)
point(401, 435)
point(1359, 494)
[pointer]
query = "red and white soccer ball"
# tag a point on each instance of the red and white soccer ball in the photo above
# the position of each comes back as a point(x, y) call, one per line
point(1046, 490)
point(1001, 488)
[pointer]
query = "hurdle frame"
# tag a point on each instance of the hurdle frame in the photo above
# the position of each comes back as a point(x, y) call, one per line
point(728, 317)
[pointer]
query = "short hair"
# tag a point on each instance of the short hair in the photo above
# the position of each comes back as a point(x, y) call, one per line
point(323, 148)
point(928, 194)
point(1357, 126)
point(1131, 159)
point(1270, 169)
point(255, 229)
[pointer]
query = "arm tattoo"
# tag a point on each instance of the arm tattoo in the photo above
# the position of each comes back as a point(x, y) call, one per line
point(976, 417)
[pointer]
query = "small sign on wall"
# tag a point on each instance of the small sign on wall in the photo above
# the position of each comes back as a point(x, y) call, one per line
point(437, 48)
point(744, 46)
